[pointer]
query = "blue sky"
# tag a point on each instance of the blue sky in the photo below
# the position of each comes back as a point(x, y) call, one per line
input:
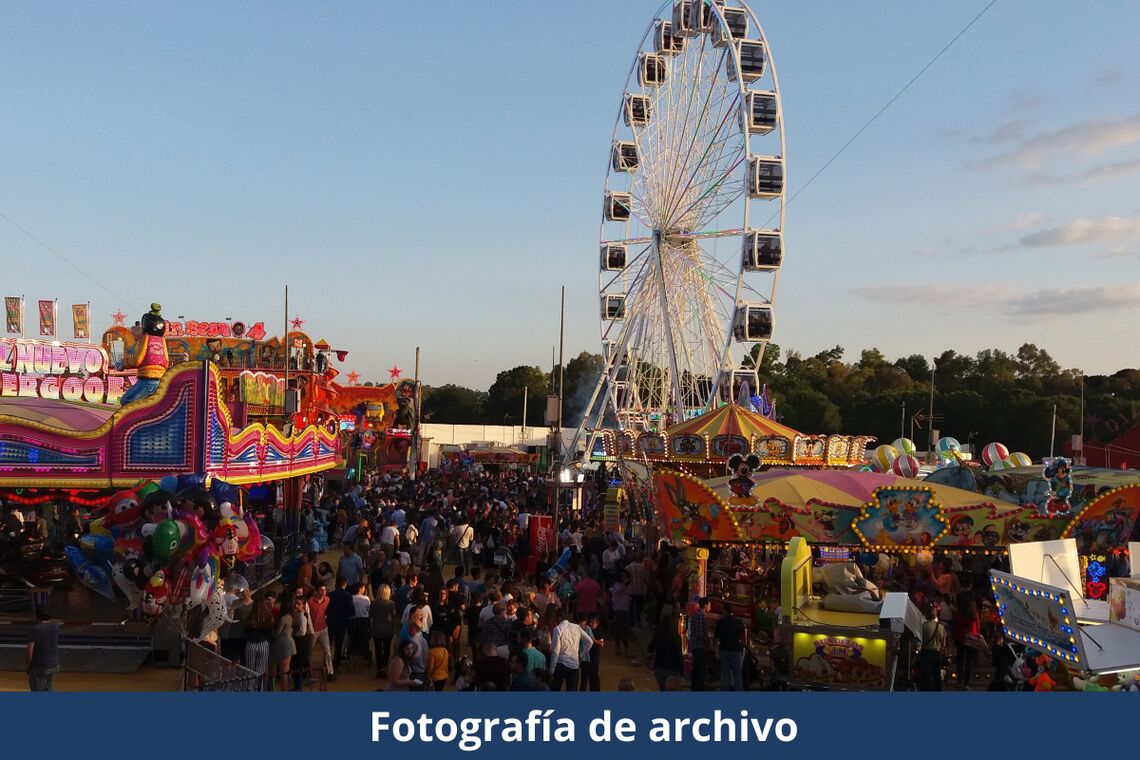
point(430, 173)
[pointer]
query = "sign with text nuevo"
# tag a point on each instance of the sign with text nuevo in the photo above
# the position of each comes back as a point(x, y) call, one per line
point(58, 370)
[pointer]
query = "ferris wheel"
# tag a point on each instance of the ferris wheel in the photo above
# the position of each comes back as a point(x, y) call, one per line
point(693, 217)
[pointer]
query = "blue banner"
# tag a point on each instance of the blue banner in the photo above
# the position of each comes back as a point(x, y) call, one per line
point(533, 726)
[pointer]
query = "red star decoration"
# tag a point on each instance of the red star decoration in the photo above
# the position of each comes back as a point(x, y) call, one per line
point(296, 323)
point(394, 373)
point(118, 318)
point(353, 377)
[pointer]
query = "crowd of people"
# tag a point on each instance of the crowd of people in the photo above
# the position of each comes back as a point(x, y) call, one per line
point(435, 586)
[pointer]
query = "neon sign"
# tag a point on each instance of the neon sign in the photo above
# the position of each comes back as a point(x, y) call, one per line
point(58, 370)
point(195, 329)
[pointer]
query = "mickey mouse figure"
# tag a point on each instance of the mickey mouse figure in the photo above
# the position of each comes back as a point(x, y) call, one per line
point(1060, 485)
point(741, 469)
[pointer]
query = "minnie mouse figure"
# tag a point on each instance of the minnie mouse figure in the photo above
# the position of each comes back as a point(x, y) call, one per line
point(1061, 486)
point(741, 469)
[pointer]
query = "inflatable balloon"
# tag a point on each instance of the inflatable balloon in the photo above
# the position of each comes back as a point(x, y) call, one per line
point(994, 452)
point(905, 466)
point(267, 549)
point(93, 576)
point(157, 506)
point(560, 566)
point(169, 483)
point(1021, 459)
point(904, 446)
point(129, 579)
point(98, 549)
point(199, 501)
point(884, 456)
point(947, 448)
point(200, 622)
point(204, 577)
point(1001, 464)
point(236, 584)
point(174, 537)
point(250, 548)
point(155, 595)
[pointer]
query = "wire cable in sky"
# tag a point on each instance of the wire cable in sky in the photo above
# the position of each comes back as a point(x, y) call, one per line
point(889, 103)
point(67, 261)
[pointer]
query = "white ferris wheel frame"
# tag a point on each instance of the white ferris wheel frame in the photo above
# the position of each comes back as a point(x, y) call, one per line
point(652, 256)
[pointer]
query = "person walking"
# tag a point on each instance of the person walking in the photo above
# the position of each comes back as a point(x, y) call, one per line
point(464, 535)
point(43, 653)
point(566, 641)
point(381, 621)
point(340, 611)
point(732, 636)
point(321, 652)
point(668, 646)
point(400, 669)
point(932, 651)
point(699, 643)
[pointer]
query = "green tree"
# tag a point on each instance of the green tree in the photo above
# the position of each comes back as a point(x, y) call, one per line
point(453, 404)
point(505, 397)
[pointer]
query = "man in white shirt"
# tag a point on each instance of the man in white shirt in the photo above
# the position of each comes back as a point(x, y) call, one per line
point(565, 641)
point(464, 535)
point(390, 539)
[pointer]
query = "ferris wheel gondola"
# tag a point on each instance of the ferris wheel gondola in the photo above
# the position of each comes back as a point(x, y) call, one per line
point(696, 160)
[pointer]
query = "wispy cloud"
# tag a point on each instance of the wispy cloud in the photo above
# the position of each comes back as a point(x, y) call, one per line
point(1109, 78)
point(1022, 221)
point(934, 296)
point(1081, 231)
point(1090, 138)
point(1100, 173)
point(1076, 300)
point(945, 297)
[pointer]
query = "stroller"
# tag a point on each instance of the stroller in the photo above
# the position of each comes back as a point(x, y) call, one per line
point(504, 560)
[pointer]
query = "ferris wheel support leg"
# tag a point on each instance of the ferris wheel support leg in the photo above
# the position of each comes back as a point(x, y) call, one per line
point(679, 401)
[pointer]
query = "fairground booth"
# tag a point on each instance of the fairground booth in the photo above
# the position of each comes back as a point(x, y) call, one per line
point(154, 504)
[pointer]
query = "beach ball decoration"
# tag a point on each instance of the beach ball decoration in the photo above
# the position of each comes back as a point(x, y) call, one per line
point(1002, 464)
point(905, 466)
point(994, 452)
point(884, 456)
point(1020, 459)
point(904, 446)
point(947, 447)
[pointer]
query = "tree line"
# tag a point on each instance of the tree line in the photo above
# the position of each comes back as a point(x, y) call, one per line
point(990, 396)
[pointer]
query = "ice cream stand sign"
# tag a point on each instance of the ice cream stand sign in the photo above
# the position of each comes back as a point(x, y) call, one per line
point(58, 370)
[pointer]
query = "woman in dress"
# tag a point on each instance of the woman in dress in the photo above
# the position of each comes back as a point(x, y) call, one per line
point(381, 616)
point(282, 648)
point(400, 668)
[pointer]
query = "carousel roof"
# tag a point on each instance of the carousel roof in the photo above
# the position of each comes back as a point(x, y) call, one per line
point(732, 419)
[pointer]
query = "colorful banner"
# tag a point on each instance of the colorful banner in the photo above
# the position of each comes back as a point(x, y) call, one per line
point(261, 389)
point(854, 662)
point(79, 317)
point(1106, 522)
point(47, 319)
point(14, 314)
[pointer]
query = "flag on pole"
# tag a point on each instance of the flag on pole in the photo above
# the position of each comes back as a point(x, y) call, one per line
point(14, 313)
point(47, 319)
point(79, 317)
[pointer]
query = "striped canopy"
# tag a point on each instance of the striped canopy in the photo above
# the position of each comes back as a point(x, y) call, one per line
point(732, 419)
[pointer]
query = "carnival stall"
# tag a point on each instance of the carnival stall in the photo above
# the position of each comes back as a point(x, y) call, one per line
point(850, 639)
point(1074, 654)
point(705, 444)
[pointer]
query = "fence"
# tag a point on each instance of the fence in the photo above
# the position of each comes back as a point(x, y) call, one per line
point(206, 670)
